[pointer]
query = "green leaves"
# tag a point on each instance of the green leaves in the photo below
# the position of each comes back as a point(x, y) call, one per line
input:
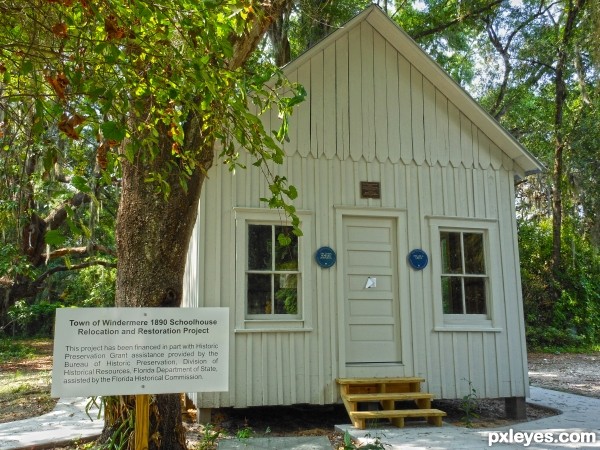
point(102, 85)
point(113, 131)
point(281, 196)
point(54, 237)
point(81, 184)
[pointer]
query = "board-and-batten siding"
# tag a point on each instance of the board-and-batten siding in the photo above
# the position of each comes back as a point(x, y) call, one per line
point(300, 366)
point(369, 116)
point(379, 107)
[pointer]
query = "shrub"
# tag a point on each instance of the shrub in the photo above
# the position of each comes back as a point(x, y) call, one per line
point(571, 319)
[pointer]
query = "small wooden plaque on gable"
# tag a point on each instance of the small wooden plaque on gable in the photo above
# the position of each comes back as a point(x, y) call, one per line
point(370, 189)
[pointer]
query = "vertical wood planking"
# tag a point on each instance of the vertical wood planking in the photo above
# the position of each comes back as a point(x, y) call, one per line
point(342, 98)
point(355, 93)
point(393, 105)
point(490, 365)
point(431, 338)
point(448, 362)
point(478, 194)
point(316, 106)
point(329, 102)
point(437, 190)
point(502, 347)
point(448, 191)
point(404, 97)
point(518, 297)
point(368, 92)
point(441, 122)
point(476, 368)
point(495, 156)
point(454, 135)
point(466, 141)
point(429, 122)
point(294, 367)
point(381, 98)
point(320, 311)
point(418, 133)
point(416, 277)
point(303, 110)
point(388, 188)
point(460, 191)
point(470, 188)
point(461, 362)
point(475, 138)
point(332, 293)
point(510, 294)
point(483, 143)
point(280, 380)
point(290, 145)
point(385, 111)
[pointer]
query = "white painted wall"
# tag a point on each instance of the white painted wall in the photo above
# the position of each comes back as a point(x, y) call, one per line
point(371, 115)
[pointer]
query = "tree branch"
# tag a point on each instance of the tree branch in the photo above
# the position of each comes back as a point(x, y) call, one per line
point(244, 45)
point(79, 251)
point(446, 25)
point(59, 214)
point(39, 280)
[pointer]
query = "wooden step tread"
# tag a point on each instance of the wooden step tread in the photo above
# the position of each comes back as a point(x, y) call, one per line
point(395, 396)
point(389, 380)
point(389, 414)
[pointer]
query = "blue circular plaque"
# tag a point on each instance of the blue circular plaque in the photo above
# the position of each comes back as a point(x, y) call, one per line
point(325, 257)
point(418, 259)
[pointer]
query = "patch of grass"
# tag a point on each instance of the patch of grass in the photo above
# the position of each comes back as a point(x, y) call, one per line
point(25, 377)
point(19, 349)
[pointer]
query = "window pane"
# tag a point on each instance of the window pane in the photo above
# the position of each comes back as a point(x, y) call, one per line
point(475, 295)
point(259, 247)
point(474, 258)
point(259, 294)
point(452, 295)
point(286, 294)
point(451, 253)
point(286, 256)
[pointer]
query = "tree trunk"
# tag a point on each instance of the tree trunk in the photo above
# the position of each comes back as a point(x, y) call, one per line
point(573, 9)
point(153, 230)
point(153, 233)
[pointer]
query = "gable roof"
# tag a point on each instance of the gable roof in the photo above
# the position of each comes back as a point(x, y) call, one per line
point(412, 52)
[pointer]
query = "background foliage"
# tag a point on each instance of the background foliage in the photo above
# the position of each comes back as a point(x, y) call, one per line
point(532, 64)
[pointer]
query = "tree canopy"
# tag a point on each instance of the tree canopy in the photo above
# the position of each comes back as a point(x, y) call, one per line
point(112, 113)
point(139, 98)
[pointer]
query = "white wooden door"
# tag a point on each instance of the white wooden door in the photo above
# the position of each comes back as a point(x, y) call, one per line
point(372, 313)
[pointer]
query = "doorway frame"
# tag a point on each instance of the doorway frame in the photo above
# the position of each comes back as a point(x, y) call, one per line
point(405, 333)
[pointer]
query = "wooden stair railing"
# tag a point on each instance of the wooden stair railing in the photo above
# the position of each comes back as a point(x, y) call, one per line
point(386, 392)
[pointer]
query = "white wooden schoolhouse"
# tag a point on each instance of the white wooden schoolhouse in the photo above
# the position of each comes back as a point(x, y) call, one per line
point(408, 267)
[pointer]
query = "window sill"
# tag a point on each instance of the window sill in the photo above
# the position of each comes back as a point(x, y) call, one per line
point(272, 330)
point(272, 326)
point(466, 327)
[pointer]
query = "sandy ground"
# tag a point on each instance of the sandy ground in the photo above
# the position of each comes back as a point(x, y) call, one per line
point(576, 373)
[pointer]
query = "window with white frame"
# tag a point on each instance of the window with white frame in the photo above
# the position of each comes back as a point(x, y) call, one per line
point(464, 278)
point(272, 272)
point(466, 273)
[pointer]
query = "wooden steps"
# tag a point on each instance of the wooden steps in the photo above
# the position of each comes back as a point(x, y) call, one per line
point(385, 392)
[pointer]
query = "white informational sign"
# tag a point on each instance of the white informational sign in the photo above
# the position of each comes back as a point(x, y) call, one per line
point(130, 351)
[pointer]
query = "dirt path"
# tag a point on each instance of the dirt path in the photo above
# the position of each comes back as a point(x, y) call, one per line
point(576, 373)
point(25, 386)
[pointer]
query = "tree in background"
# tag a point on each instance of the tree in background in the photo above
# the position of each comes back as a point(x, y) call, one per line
point(111, 109)
point(148, 89)
point(547, 97)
